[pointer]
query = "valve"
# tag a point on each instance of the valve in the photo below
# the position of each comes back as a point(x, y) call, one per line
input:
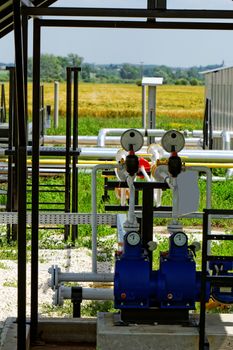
point(173, 141)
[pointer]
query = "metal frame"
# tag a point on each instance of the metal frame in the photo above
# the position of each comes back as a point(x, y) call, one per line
point(154, 17)
point(223, 281)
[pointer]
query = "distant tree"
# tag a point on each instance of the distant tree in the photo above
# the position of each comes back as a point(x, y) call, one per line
point(129, 72)
point(194, 81)
point(74, 60)
point(181, 81)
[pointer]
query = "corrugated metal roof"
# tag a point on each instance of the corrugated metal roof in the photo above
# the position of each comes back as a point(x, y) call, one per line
point(6, 13)
point(215, 70)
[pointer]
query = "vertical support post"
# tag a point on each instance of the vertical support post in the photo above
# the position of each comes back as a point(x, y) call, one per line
point(25, 60)
point(75, 157)
point(22, 176)
point(144, 107)
point(3, 105)
point(147, 217)
point(10, 175)
point(56, 104)
point(202, 340)
point(35, 177)
point(68, 145)
point(151, 110)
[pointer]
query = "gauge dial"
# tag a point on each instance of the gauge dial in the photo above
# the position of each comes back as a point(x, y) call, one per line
point(133, 238)
point(180, 239)
point(173, 141)
point(132, 139)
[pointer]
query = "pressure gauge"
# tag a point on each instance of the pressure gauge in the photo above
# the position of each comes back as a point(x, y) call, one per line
point(132, 139)
point(180, 239)
point(133, 238)
point(173, 141)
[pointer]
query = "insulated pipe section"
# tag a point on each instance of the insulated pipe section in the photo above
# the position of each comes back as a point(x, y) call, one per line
point(87, 294)
point(103, 132)
point(109, 140)
point(57, 277)
point(94, 222)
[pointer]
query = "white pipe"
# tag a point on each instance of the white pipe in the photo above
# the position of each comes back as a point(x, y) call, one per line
point(89, 293)
point(85, 277)
point(109, 140)
point(226, 140)
point(94, 211)
point(104, 132)
point(146, 176)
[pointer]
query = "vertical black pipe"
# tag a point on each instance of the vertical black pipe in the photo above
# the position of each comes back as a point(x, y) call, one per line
point(25, 61)
point(35, 176)
point(68, 145)
point(75, 158)
point(203, 282)
point(9, 206)
point(147, 217)
point(22, 176)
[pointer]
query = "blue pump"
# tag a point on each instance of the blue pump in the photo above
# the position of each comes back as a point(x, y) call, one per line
point(176, 284)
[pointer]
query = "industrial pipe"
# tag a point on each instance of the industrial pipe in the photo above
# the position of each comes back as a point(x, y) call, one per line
point(57, 277)
point(108, 140)
point(94, 222)
point(64, 292)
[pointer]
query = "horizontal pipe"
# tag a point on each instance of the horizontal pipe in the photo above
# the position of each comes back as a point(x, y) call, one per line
point(88, 293)
point(85, 277)
point(107, 140)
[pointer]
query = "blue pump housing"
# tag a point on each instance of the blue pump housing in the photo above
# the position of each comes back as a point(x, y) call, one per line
point(176, 284)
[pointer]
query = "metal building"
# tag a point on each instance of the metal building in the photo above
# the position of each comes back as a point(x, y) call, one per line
point(219, 106)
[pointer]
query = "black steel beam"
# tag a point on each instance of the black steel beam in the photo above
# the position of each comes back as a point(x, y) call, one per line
point(68, 145)
point(6, 31)
point(135, 24)
point(127, 13)
point(35, 177)
point(22, 177)
point(75, 146)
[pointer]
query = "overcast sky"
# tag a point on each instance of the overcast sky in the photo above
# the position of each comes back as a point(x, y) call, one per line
point(170, 47)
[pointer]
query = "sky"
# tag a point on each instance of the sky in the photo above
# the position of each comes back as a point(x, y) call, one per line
point(175, 48)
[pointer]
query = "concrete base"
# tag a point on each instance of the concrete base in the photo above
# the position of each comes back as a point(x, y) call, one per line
point(219, 331)
point(72, 331)
point(9, 337)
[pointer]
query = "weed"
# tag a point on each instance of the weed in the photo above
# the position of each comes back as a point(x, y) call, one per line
point(3, 266)
point(12, 284)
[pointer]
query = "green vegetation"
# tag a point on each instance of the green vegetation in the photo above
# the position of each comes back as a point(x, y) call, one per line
point(12, 284)
point(54, 68)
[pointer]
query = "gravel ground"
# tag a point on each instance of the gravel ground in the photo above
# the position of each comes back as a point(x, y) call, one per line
point(69, 260)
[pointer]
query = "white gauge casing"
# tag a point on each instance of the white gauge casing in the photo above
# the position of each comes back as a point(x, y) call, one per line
point(132, 137)
point(133, 238)
point(173, 140)
point(180, 239)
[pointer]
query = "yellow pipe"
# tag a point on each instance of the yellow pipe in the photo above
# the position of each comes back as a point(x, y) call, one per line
point(62, 162)
point(212, 165)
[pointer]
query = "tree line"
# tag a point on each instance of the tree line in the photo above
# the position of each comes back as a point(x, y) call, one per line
point(54, 68)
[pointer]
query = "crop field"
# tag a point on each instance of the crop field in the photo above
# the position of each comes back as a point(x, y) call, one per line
point(119, 105)
point(177, 106)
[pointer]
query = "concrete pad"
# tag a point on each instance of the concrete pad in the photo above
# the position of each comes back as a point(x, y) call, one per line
point(54, 331)
point(9, 340)
point(219, 332)
point(67, 330)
